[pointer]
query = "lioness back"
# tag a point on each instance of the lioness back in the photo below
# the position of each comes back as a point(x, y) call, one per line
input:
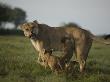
point(53, 37)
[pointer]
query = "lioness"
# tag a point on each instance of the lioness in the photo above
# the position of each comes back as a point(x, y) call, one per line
point(43, 36)
point(51, 61)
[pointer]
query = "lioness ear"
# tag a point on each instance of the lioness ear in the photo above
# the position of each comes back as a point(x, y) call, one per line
point(20, 26)
point(35, 22)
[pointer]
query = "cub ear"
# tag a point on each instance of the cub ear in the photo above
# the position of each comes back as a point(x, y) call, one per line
point(51, 50)
point(43, 51)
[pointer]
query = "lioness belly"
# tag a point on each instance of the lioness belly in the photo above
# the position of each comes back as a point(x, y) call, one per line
point(55, 42)
point(55, 37)
point(56, 45)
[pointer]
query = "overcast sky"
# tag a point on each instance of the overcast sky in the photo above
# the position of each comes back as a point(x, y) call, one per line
point(93, 15)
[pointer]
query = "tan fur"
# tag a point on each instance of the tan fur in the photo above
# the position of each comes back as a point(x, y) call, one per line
point(46, 37)
point(51, 61)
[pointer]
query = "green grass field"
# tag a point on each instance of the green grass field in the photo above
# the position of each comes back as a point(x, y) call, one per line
point(18, 63)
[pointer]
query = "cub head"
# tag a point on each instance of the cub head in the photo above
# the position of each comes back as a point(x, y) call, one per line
point(30, 29)
point(47, 52)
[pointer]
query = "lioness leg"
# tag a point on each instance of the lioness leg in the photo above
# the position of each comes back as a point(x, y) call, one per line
point(82, 51)
point(80, 60)
point(68, 50)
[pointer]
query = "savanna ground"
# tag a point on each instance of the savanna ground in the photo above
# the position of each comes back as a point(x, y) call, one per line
point(18, 63)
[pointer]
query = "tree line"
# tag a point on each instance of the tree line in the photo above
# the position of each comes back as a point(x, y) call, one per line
point(11, 15)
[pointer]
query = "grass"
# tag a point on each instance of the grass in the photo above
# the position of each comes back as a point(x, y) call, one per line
point(18, 63)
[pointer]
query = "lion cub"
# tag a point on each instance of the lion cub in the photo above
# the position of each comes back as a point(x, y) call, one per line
point(51, 61)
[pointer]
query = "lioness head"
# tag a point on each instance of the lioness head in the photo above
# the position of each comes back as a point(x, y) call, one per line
point(30, 29)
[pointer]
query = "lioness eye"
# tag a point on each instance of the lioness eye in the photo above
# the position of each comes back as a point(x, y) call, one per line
point(27, 29)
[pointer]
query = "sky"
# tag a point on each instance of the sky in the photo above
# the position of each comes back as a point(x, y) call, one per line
point(93, 15)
